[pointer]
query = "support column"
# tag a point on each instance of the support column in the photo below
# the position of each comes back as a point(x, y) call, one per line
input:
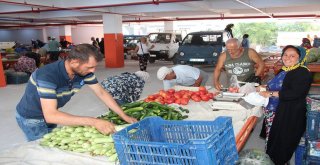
point(113, 40)
point(2, 79)
point(65, 33)
point(168, 26)
point(44, 35)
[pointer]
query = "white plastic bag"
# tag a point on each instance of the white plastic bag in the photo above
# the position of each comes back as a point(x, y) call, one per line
point(234, 82)
point(247, 88)
point(256, 99)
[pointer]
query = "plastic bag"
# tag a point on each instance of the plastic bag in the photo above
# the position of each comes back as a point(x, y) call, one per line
point(254, 157)
point(234, 82)
point(247, 88)
point(256, 99)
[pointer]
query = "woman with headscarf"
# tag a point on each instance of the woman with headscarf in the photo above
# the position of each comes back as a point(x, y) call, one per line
point(285, 114)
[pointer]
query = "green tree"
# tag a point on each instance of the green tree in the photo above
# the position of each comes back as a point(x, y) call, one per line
point(266, 33)
point(260, 33)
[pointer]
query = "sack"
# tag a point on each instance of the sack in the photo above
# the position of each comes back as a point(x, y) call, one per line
point(234, 82)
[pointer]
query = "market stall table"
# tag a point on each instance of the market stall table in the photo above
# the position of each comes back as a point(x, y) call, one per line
point(243, 120)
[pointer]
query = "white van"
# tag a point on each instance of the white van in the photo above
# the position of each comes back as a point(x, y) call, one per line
point(165, 45)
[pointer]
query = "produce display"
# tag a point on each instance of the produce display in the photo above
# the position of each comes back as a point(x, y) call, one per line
point(82, 139)
point(181, 97)
point(141, 110)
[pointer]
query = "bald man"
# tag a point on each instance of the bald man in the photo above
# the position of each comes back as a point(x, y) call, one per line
point(238, 61)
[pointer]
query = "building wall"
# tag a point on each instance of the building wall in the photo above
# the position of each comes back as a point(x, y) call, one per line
point(23, 36)
point(83, 34)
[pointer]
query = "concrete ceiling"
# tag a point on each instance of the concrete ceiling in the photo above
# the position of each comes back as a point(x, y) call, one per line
point(33, 13)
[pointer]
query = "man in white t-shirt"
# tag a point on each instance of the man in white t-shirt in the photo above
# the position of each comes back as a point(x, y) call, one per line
point(183, 75)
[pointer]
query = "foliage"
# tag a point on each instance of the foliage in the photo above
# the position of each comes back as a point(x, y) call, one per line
point(265, 33)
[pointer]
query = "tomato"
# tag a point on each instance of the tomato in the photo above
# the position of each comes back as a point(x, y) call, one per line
point(178, 101)
point(204, 98)
point(169, 101)
point(196, 93)
point(186, 96)
point(177, 95)
point(210, 95)
point(203, 92)
point(184, 101)
point(195, 98)
point(171, 91)
point(202, 88)
point(160, 98)
point(152, 97)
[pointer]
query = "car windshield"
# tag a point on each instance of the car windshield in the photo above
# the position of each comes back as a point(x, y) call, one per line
point(202, 39)
point(163, 38)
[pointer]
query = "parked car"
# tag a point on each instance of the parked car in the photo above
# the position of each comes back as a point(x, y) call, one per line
point(201, 48)
point(165, 45)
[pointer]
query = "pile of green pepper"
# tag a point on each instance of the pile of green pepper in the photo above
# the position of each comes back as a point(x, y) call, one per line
point(141, 110)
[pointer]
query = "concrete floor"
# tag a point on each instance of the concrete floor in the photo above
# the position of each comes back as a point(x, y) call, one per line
point(86, 103)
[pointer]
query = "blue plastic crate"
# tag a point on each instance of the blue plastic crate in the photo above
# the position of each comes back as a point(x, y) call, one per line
point(313, 125)
point(313, 117)
point(300, 155)
point(157, 141)
point(311, 160)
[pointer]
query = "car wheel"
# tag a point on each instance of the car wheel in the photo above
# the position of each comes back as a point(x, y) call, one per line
point(152, 60)
point(174, 59)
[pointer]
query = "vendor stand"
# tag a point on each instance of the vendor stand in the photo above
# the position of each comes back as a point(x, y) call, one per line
point(243, 121)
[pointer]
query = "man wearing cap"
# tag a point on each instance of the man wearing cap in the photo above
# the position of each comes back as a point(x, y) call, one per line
point(126, 87)
point(183, 75)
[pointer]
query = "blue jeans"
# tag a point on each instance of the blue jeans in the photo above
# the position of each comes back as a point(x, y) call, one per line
point(34, 128)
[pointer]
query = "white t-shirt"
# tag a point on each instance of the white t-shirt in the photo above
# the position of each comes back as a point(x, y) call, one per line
point(144, 47)
point(185, 76)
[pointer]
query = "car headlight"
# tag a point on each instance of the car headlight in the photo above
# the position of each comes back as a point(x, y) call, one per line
point(181, 54)
point(214, 54)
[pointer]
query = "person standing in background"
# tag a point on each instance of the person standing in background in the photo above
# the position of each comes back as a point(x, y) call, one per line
point(228, 29)
point(245, 41)
point(64, 43)
point(142, 50)
point(101, 45)
point(94, 43)
point(54, 49)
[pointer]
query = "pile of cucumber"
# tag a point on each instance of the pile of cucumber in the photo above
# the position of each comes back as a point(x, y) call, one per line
point(141, 110)
point(82, 139)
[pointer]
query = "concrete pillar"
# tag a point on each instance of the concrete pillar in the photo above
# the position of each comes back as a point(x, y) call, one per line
point(168, 26)
point(113, 40)
point(2, 77)
point(65, 33)
point(44, 35)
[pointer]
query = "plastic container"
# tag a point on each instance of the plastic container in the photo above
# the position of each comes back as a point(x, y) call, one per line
point(310, 160)
point(17, 77)
point(300, 155)
point(313, 103)
point(313, 117)
point(157, 141)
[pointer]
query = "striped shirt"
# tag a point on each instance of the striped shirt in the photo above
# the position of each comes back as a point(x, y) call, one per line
point(50, 82)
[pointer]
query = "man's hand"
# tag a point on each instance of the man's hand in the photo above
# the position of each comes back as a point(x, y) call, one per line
point(104, 127)
point(217, 85)
point(129, 119)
